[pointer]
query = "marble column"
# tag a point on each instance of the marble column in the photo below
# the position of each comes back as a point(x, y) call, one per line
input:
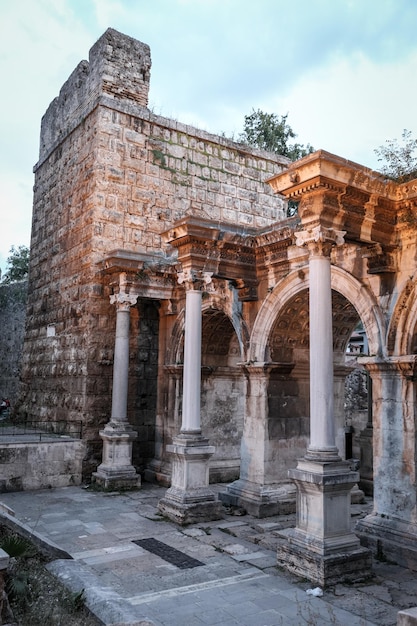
point(322, 547)
point(116, 470)
point(322, 428)
point(191, 422)
point(190, 499)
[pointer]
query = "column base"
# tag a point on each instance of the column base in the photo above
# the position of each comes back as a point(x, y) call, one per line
point(323, 547)
point(158, 472)
point(193, 513)
point(116, 471)
point(260, 500)
point(189, 499)
point(389, 539)
point(354, 565)
point(357, 496)
point(117, 480)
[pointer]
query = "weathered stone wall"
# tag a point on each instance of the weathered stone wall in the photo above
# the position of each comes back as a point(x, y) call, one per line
point(110, 70)
point(12, 324)
point(356, 406)
point(40, 465)
point(114, 176)
point(222, 413)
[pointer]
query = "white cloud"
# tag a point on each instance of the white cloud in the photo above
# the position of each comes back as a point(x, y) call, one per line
point(353, 105)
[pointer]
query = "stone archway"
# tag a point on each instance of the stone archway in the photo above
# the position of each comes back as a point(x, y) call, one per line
point(342, 282)
point(222, 392)
point(402, 332)
point(276, 430)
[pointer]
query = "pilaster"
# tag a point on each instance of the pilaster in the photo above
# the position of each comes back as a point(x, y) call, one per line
point(263, 488)
point(391, 530)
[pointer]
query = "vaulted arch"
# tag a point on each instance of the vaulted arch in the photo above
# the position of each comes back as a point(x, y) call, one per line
point(402, 332)
point(293, 290)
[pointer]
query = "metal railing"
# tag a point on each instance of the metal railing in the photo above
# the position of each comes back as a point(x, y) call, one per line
point(37, 430)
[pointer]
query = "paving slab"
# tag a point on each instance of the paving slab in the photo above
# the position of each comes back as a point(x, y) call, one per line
point(110, 538)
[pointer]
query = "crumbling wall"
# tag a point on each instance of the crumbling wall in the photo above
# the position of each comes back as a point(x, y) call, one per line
point(118, 66)
point(114, 176)
point(12, 324)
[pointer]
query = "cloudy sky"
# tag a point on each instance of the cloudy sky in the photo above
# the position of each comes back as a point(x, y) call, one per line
point(344, 70)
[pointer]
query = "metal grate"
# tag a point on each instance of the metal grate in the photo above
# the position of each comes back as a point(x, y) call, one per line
point(169, 554)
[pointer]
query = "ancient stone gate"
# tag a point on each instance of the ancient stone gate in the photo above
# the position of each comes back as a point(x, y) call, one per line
point(132, 212)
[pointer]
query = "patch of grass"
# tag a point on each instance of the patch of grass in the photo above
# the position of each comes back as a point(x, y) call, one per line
point(35, 596)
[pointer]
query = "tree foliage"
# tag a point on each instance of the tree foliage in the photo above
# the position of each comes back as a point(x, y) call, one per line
point(271, 132)
point(17, 265)
point(399, 158)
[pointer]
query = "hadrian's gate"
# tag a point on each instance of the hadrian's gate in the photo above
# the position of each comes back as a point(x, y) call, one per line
point(131, 211)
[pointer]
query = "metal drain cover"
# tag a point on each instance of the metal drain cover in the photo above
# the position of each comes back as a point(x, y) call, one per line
point(169, 554)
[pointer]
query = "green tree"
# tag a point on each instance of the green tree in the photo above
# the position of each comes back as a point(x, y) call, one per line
point(399, 158)
point(271, 132)
point(18, 265)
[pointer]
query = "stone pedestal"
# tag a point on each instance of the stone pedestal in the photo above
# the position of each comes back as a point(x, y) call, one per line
point(189, 499)
point(323, 547)
point(260, 500)
point(116, 470)
point(389, 538)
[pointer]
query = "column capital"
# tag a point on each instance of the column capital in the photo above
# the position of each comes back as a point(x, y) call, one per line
point(123, 301)
point(404, 365)
point(195, 280)
point(320, 239)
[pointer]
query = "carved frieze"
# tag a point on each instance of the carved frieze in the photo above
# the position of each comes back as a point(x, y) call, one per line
point(380, 260)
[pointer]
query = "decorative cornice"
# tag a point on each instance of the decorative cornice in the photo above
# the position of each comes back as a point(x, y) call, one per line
point(323, 168)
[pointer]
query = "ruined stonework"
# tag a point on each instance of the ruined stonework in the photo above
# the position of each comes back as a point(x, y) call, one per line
point(114, 176)
point(132, 212)
point(12, 325)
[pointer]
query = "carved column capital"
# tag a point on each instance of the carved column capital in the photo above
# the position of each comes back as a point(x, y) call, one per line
point(196, 280)
point(320, 239)
point(123, 301)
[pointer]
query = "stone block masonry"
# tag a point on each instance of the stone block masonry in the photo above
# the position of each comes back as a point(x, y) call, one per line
point(40, 465)
point(112, 176)
point(12, 325)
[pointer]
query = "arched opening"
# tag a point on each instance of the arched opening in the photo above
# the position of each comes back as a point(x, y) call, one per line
point(288, 386)
point(222, 394)
point(144, 384)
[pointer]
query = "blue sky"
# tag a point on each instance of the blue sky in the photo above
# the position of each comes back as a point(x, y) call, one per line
point(344, 70)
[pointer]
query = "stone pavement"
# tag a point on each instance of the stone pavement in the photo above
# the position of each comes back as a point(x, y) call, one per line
point(137, 568)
